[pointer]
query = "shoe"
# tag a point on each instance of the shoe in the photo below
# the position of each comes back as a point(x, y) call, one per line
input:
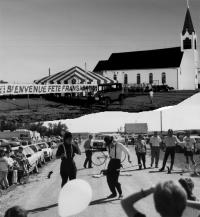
point(111, 196)
point(156, 166)
point(121, 196)
point(90, 167)
point(169, 172)
point(84, 166)
point(161, 170)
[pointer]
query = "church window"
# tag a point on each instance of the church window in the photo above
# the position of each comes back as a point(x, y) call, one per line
point(163, 78)
point(125, 79)
point(187, 43)
point(195, 44)
point(115, 77)
point(138, 79)
point(65, 82)
point(150, 78)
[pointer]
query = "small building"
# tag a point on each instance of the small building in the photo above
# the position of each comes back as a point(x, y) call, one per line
point(177, 67)
point(136, 128)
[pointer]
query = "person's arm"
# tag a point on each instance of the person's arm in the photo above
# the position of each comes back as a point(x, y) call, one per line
point(193, 204)
point(60, 152)
point(126, 151)
point(128, 202)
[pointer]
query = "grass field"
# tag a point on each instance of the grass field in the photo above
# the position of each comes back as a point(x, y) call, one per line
point(39, 109)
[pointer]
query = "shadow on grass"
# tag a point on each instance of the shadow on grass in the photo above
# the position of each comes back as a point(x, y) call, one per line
point(42, 209)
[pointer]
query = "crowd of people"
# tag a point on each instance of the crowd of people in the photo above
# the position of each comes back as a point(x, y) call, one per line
point(13, 166)
point(177, 195)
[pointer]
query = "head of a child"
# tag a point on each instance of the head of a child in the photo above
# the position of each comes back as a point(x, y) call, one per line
point(16, 211)
point(2, 153)
point(170, 199)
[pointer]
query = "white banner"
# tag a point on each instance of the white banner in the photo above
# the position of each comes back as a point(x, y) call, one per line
point(22, 89)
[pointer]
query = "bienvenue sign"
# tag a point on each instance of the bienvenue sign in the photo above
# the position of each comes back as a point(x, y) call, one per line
point(21, 89)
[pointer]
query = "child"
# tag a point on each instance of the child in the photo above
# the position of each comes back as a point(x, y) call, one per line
point(140, 148)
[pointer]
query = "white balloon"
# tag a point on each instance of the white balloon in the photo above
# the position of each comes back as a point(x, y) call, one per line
point(74, 197)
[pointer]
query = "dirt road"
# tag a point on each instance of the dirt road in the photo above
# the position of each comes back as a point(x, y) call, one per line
point(40, 195)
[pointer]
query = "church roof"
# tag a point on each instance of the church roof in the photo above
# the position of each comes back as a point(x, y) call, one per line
point(188, 25)
point(149, 59)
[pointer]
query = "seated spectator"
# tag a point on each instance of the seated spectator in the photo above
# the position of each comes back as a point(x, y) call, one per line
point(188, 185)
point(170, 200)
point(16, 211)
point(4, 165)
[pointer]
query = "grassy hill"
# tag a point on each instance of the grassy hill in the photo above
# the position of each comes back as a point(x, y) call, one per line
point(37, 109)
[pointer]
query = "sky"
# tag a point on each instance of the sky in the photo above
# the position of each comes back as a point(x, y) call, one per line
point(183, 116)
point(38, 34)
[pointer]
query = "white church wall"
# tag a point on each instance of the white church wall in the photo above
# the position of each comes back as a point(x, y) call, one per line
point(171, 76)
point(188, 71)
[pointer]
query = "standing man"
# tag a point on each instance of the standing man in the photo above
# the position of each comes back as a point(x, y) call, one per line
point(115, 150)
point(155, 141)
point(141, 149)
point(170, 142)
point(126, 140)
point(189, 146)
point(88, 152)
point(66, 152)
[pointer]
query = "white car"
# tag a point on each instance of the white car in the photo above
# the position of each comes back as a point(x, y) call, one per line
point(38, 151)
point(48, 153)
point(30, 156)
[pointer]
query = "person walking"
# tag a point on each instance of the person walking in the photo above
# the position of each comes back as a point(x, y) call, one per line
point(189, 147)
point(115, 150)
point(66, 153)
point(155, 141)
point(140, 149)
point(170, 142)
point(151, 93)
point(88, 152)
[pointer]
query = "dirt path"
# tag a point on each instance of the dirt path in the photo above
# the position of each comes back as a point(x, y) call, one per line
point(40, 195)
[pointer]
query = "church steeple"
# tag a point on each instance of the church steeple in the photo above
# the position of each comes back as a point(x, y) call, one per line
point(188, 35)
point(188, 25)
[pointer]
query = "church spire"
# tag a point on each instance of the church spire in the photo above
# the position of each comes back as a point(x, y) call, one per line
point(188, 25)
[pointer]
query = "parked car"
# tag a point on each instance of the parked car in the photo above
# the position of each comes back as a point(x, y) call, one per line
point(31, 156)
point(108, 93)
point(48, 153)
point(40, 154)
point(98, 142)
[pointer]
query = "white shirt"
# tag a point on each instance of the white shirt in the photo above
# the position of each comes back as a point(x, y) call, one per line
point(155, 141)
point(189, 143)
point(116, 150)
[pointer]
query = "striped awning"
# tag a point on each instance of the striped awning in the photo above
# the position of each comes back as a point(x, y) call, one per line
point(74, 73)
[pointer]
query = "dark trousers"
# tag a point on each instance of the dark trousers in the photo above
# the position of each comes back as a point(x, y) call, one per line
point(10, 177)
point(169, 151)
point(67, 172)
point(189, 154)
point(113, 176)
point(141, 160)
point(88, 159)
point(155, 154)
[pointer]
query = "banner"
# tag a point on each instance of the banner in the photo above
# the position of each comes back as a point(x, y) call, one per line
point(22, 89)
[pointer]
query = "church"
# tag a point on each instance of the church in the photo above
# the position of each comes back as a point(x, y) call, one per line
point(176, 67)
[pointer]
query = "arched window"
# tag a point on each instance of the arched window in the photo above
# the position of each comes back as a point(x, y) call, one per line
point(195, 44)
point(115, 77)
point(150, 78)
point(163, 78)
point(125, 79)
point(138, 79)
point(187, 43)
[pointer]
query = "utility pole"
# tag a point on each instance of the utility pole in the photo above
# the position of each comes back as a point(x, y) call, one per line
point(161, 122)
